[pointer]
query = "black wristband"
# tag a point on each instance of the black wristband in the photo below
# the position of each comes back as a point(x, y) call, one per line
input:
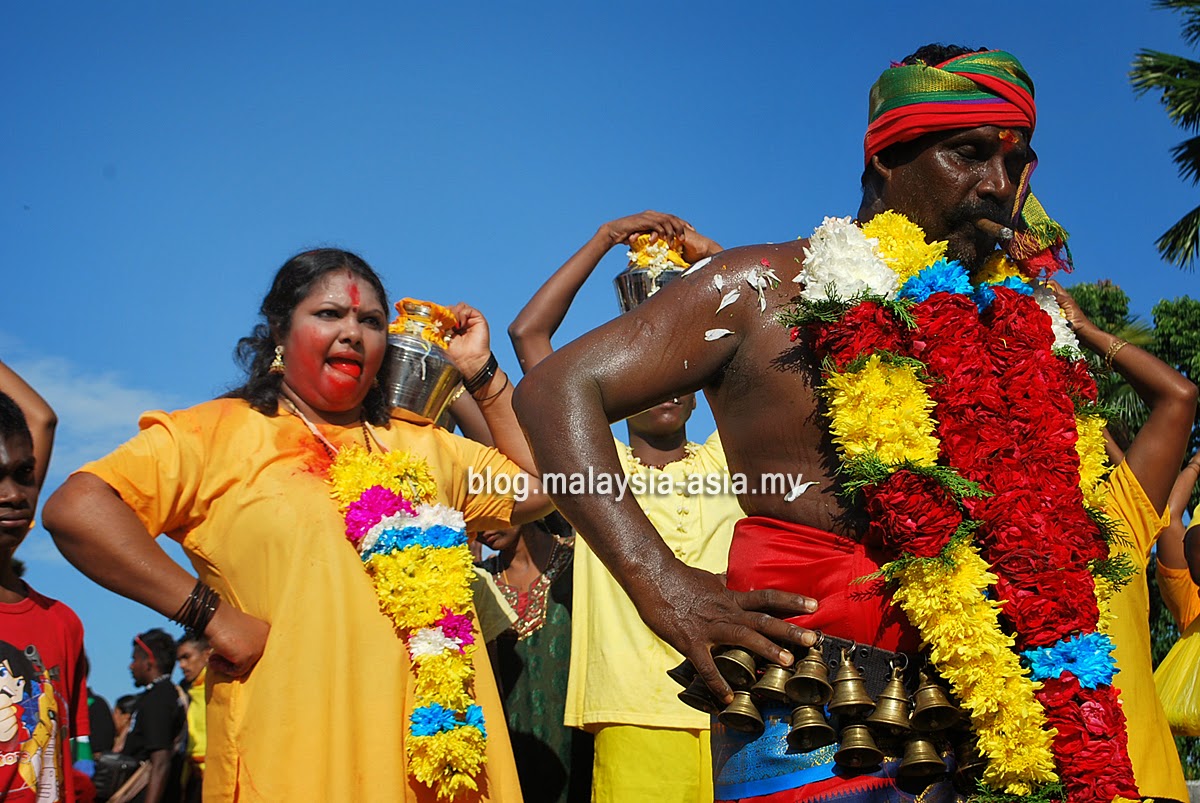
point(485, 374)
point(197, 610)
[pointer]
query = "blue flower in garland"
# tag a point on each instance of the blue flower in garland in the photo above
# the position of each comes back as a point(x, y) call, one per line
point(475, 719)
point(985, 294)
point(444, 537)
point(943, 276)
point(432, 719)
point(1088, 658)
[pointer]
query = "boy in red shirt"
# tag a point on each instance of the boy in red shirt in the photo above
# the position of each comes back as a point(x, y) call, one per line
point(43, 686)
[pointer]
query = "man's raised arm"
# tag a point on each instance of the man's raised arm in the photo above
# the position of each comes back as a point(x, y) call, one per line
point(565, 404)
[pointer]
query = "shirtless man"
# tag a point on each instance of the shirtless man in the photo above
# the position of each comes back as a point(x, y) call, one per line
point(944, 166)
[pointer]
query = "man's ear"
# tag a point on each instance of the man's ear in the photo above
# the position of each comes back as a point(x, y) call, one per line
point(881, 168)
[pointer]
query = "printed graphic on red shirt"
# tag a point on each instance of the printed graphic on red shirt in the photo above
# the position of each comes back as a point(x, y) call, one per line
point(31, 727)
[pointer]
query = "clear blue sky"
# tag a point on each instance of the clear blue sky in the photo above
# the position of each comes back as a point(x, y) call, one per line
point(161, 160)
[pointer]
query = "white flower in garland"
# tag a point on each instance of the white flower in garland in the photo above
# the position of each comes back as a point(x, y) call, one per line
point(434, 515)
point(840, 262)
point(1063, 336)
point(430, 641)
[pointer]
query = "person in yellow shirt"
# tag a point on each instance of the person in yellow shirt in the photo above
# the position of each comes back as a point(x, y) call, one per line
point(1179, 591)
point(192, 654)
point(243, 484)
point(648, 745)
point(1138, 492)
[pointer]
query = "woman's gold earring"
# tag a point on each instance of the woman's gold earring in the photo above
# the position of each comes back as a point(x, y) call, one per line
point(277, 366)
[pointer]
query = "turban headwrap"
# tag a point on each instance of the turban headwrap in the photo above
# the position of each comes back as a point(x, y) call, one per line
point(976, 89)
point(987, 88)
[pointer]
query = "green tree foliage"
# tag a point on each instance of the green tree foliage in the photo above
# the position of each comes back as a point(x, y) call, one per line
point(1178, 79)
point(1175, 339)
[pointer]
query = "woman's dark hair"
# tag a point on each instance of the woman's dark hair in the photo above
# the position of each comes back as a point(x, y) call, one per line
point(293, 283)
point(126, 704)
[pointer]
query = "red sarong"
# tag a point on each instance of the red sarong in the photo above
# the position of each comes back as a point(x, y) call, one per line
point(768, 553)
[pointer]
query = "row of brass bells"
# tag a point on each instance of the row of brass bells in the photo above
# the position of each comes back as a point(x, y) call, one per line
point(699, 697)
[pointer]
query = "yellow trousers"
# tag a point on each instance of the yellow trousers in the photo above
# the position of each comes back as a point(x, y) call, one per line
point(634, 764)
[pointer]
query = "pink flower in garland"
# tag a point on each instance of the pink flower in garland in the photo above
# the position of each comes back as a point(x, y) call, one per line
point(458, 627)
point(372, 507)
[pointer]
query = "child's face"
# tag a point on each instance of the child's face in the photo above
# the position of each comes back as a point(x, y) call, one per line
point(18, 491)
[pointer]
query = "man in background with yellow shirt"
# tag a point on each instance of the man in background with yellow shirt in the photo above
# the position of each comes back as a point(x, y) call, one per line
point(193, 653)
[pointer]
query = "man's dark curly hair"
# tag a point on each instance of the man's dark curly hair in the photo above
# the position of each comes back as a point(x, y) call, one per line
point(934, 54)
point(292, 284)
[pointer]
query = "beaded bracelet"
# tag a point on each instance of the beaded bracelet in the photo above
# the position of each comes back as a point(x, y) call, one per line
point(197, 610)
point(494, 395)
point(483, 376)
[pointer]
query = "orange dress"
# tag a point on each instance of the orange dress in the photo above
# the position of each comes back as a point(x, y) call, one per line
point(324, 713)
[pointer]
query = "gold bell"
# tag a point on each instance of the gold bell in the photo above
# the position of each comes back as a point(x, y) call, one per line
point(771, 685)
point(809, 729)
point(737, 667)
point(850, 696)
point(699, 697)
point(891, 708)
point(970, 763)
point(682, 674)
point(933, 710)
point(858, 748)
point(810, 684)
point(921, 759)
point(742, 715)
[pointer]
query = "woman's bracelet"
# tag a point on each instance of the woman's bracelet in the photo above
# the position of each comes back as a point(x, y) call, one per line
point(1109, 355)
point(483, 376)
point(494, 395)
point(197, 610)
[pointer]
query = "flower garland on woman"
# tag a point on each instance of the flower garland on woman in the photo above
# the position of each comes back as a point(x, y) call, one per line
point(966, 422)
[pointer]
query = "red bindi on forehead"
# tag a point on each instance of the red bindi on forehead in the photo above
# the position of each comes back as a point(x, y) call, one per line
point(1009, 139)
point(355, 294)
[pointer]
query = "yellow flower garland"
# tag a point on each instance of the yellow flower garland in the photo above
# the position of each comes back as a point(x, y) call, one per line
point(946, 601)
point(902, 244)
point(1093, 460)
point(882, 409)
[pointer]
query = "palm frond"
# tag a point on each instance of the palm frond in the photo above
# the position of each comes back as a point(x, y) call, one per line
point(1180, 244)
point(1137, 332)
point(1191, 17)
point(1186, 156)
point(1177, 77)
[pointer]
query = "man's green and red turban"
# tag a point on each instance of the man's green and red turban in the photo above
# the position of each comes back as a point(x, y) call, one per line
point(986, 88)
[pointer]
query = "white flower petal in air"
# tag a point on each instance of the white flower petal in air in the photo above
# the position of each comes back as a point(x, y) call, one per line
point(1063, 336)
point(798, 489)
point(697, 267)
point(840, 262)
point(730, 297)
point(717, 334)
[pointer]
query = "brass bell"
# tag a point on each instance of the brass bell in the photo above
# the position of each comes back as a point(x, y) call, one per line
point(699, 697)
point(933, 710)
point(682, 674)
point(771, 685)
point(742, 715)
point(850, 696)
point(970, 763)
point(891, 708)
point(857, 748)
point(737, 667)
point(809, 729)
point(921, 759)
point(810, 684)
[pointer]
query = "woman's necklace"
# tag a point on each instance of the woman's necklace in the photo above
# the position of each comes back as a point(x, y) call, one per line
point(368, 433)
